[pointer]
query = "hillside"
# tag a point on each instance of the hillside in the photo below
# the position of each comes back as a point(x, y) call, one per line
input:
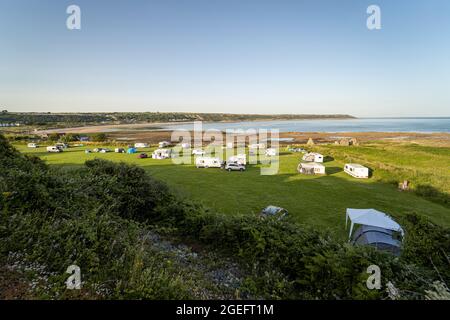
point(135, 238)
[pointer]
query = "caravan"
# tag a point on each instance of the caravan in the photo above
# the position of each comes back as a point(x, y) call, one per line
point(141, 145)
point(311, 168)
point(208, 162)
point(53, 149)
point(162, 154)
point(240, 159)
point(356, 170)
point(313, 157)
point(271, 152)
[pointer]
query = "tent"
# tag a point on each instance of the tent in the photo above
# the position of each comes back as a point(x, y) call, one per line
point(371, 217)
point(380, 238)
point(131, 150)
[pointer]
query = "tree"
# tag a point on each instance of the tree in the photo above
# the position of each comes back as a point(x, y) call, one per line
point(53, 137)
point(99, 137)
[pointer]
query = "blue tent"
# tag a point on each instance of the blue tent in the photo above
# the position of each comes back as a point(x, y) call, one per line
point(131, 150)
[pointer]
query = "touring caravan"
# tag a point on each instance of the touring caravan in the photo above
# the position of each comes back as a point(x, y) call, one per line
point(257, 146)
point(32, 145)
point(53, 149)
point(357, 170)
point(162, 154)
point(240, 159)
point(311, 168)
point(271, 152)
point(141, 145)
point(313, 157)
point(185, 145)
point(208, 162)
point(198, 152)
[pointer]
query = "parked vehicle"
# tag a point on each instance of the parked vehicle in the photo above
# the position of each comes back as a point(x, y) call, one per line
point(273, 211)
point(142, 156)
point(62, 145)
point(208, 162)
point(233, 166)
point(105, 150)
point(32, 145)
point(198, 152)
point(53, 149)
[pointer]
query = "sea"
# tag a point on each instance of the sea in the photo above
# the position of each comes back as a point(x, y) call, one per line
point(419, 125)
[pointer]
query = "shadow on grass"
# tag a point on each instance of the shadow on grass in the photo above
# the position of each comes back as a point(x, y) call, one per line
point(328, 159)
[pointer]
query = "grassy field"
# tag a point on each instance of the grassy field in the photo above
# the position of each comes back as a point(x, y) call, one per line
point(314, 200)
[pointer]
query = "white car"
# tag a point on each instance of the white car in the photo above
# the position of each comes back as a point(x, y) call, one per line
point(233, 166)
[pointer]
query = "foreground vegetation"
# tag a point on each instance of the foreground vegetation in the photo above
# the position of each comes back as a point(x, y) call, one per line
point(102, 216)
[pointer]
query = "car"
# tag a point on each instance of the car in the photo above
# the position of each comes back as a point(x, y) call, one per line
point(87, 151)
point(233, 166)
point(275, 212)
point(142, 156)
point(104, 150)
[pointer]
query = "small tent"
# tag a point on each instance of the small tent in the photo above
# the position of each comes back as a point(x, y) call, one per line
point(131, 150)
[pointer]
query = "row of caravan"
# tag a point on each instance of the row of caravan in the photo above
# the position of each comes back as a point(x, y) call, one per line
point(353, 169)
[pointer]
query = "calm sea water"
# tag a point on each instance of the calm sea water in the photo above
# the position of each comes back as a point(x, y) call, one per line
point(425, 125)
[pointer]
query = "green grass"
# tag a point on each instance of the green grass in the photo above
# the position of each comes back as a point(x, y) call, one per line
point(316, 200)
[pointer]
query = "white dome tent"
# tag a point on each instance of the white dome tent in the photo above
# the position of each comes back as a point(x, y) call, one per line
point(371, 217)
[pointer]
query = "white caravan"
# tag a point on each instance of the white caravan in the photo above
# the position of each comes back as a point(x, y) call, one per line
point(240, 159)
point(271, 152)
point(53, 149)
point(198, 152)
point(185, 145)
point(208, 162)
point(32, 145)
point(141, 145)
point(357, 170)
point(313, 157)
point(311, 168)
point(162, 154)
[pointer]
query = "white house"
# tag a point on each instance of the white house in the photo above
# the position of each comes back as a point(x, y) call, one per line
point(164, 144)
point(313, 157)
point(311, 168)
point(240, 158)
point(141, 145)
point(271, 152)
point(356, 170)
point(162, 154)
point(208, 162)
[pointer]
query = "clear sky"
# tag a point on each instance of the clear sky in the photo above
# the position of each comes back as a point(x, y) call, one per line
point(235, 56)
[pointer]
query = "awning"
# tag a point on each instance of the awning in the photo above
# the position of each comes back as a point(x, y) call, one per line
point(371, 217)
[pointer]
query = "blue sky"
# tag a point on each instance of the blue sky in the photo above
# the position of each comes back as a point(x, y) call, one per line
point(239, 56)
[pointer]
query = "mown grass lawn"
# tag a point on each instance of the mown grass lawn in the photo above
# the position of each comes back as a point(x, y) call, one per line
point(315, 200)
